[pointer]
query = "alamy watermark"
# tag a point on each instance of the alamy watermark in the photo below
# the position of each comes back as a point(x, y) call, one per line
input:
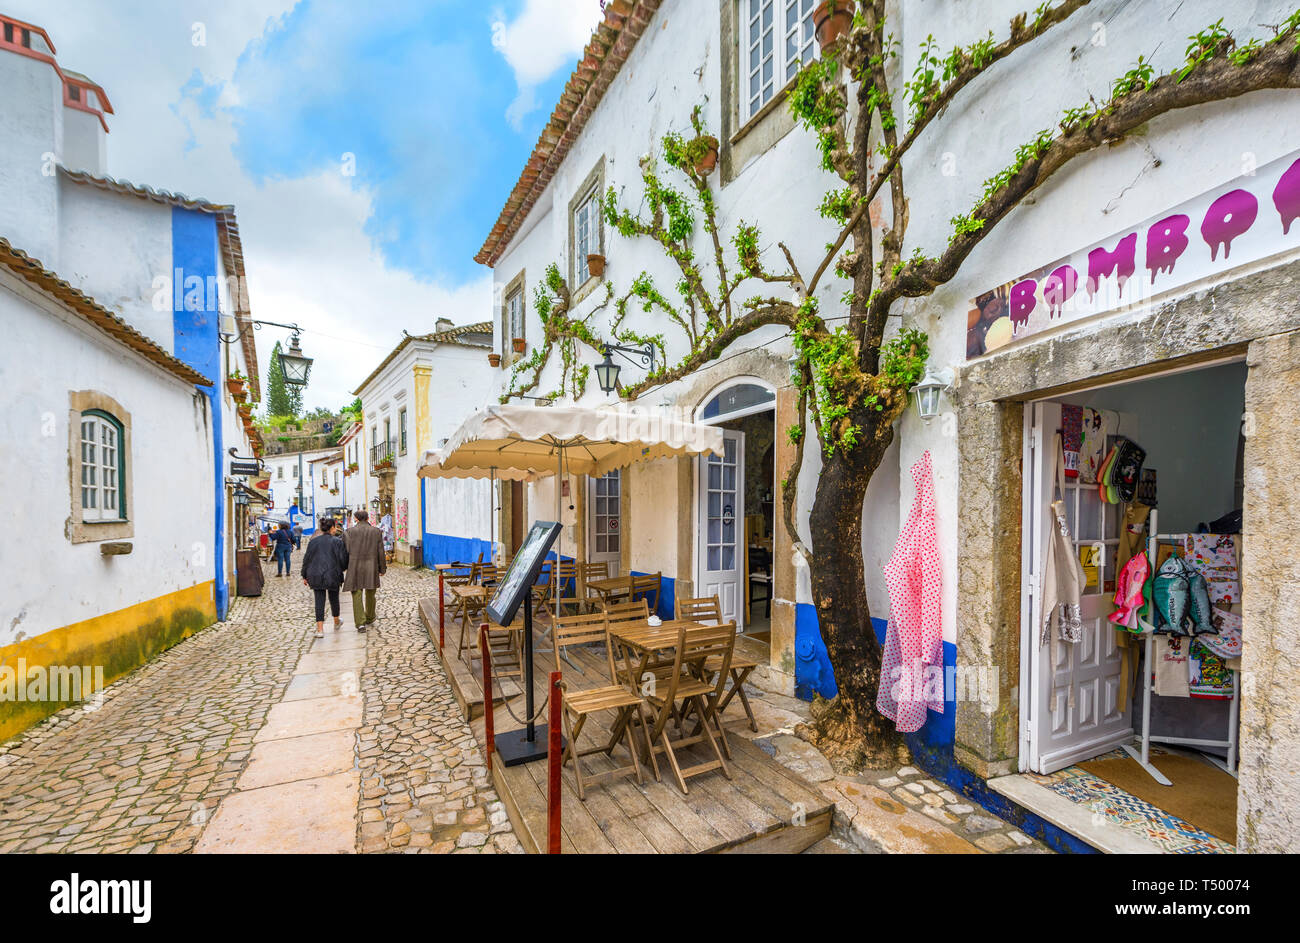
point(52, 684)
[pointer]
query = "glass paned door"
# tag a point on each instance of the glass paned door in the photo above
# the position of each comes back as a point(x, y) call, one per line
point(721, 511)
point(604, 519)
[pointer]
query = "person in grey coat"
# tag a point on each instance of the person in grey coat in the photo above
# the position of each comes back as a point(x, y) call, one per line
point(322, 569)
point(365, 564)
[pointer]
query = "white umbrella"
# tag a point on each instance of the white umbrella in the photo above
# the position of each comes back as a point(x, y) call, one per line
point(527, 442)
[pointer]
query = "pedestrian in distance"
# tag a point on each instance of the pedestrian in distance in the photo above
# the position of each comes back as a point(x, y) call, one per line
point(282, 541)
point(296, 533)
point(322, 569)
point(365, 545)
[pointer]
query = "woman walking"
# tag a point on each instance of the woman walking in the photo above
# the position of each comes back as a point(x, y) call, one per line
point(322, 569)
point(282, 542)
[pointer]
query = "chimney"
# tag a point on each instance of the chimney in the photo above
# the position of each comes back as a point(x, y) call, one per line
point(443, 324)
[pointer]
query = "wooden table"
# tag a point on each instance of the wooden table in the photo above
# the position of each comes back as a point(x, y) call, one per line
point(651, 642)
point(610, 587)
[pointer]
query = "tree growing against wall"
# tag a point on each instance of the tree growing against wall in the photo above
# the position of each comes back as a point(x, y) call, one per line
point(281, 398)
point(853, 383)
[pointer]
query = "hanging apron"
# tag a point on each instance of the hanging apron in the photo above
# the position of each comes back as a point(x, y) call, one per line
point(911, 673)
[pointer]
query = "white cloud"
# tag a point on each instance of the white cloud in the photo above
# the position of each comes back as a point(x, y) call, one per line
point(544, 37)
point(307, 253)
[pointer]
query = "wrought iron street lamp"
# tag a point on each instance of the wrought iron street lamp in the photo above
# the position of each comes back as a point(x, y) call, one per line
point(607, 371)
point(294, 364)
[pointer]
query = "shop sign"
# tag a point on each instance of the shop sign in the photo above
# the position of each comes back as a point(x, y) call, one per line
point(1235, 224)
point(245, 468)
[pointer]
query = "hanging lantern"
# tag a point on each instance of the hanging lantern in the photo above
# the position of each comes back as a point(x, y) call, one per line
point(928, 391)
point(294, 365)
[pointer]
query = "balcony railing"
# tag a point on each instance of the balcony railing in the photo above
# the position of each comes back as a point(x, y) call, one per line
point(382, 455)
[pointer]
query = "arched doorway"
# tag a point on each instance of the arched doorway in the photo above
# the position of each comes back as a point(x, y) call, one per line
point(735, 509)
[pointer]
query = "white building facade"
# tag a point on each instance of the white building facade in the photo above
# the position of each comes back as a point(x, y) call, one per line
point(1014, 359)
point(169, 269)
point(411, 403)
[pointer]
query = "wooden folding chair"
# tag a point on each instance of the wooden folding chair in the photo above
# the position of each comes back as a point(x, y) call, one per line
point(592, 571)
point(686, 683)
point(579, 704)
point(646, 587)
point(707, 609)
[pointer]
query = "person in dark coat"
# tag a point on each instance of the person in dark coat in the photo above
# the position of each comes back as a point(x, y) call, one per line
point(365, 564)
point(282, 544)
point(322, 569)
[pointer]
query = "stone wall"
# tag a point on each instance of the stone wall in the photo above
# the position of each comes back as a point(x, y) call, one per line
point(1268, 803)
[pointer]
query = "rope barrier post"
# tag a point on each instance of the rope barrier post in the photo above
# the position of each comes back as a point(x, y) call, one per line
point(442, 609)
point(489, 707)
point(554, 754)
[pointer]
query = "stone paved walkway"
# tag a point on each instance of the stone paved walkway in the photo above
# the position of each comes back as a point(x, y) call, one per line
point(248, 723)
point(221, 743)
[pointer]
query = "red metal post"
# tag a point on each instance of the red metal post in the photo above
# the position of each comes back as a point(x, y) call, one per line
point(489, 707)
point(553, 757)
point(442, 607)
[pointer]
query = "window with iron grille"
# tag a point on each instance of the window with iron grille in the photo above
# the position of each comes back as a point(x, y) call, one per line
point(586, 229)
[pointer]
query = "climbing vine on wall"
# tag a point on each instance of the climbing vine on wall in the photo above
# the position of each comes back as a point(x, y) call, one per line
point(854, 365)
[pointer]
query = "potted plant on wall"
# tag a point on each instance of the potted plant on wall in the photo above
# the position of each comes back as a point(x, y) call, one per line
point(519, 344)
point(703, 152)
point(596, 264)
point(831, 20)
point(494, 359)
point(235, 383)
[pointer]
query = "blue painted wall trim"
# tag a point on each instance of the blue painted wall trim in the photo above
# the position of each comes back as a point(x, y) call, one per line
point(442, 548)
point(932, 745)
point(195, 321)
point(667, 608)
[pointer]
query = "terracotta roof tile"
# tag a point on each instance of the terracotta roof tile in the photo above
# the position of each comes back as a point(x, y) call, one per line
point(609, 47)
point(31, 270)
point(232, 249)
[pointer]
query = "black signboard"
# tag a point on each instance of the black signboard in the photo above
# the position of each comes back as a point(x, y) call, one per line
point(245, 468)
point(523, 572)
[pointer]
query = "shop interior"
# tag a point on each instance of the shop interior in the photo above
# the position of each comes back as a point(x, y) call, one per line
point(1159, 679)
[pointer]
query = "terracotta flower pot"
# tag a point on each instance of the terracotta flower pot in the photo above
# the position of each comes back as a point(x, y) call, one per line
point(831, 26)
point(520, 345)
point(235, 385)
point(708, 160)
point(494, 359)
point(596, 264)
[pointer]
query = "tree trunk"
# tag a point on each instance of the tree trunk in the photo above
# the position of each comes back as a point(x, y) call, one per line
point(849, 727)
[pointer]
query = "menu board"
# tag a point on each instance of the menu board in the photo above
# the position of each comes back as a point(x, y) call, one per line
point(523, 572)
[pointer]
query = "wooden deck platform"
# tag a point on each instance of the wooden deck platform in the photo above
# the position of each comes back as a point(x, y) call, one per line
point(764, 807)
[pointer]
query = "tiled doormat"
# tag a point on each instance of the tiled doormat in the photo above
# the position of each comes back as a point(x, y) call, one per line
point(1111, 805)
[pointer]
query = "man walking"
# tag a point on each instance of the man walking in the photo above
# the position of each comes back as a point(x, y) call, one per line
point(365, 545)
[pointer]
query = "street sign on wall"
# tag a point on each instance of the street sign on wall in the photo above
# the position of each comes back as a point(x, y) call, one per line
point(245, 468)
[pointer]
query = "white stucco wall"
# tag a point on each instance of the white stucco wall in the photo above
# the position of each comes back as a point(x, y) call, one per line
point(460, 383)
point(51, 581)
point(674, 67)
point(112, 247)
point(31, 139)
point(1094, 198)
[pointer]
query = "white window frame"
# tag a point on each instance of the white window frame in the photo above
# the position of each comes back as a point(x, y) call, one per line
point(100, 468)
point(776, 39)
point(588, 242)
point(401, 431)
point(515, 313)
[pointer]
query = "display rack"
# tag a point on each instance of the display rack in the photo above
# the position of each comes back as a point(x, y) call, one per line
point(1143, 756)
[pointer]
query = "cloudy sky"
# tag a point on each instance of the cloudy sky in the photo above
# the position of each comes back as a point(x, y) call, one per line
point(367, 146)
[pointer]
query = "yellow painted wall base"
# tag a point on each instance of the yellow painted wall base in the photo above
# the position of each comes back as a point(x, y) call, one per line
point(118, 642)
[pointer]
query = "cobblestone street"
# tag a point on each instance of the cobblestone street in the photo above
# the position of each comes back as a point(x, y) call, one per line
point(148, 767)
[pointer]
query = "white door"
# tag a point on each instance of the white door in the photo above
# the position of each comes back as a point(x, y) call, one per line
point(604, 520)
point(1074, 688)
point(721, 513)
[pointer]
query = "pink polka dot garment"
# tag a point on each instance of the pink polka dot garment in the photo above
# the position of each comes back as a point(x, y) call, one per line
point(911, 677)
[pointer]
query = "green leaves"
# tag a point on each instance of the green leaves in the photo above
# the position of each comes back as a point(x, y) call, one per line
point(1203, 46)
